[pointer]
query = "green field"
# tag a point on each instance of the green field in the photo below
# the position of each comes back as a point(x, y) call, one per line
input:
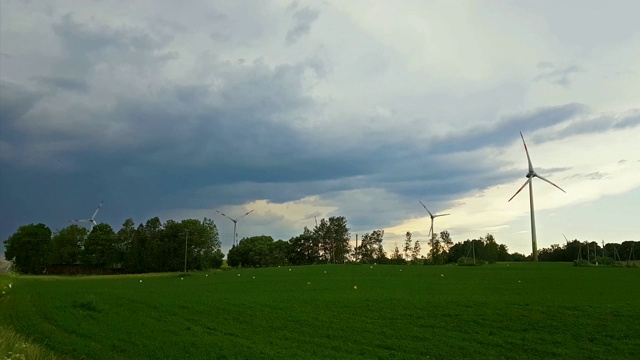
point(515, 311)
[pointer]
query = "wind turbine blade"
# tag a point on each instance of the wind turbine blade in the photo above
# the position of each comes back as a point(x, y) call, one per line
point(245, 214)
point(541, 178)
point(441, 215)
point(98, 209)
point(425, 208)
point(565, 238)
point(522, 187)
point(527, 151)
point(234, 220)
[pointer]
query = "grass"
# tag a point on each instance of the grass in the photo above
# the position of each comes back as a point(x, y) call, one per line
point(519, 311)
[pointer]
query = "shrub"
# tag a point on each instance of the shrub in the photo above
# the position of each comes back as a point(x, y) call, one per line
point(467, 261)
point(581, 263)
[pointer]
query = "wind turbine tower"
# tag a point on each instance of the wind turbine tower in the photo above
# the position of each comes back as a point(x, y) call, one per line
point(431, 233)
point(235, 224)
point(91, 221)
point(530, 175)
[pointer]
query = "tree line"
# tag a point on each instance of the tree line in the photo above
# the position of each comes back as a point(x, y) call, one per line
point(150, 247)
point(194, 245)
point(591, 252)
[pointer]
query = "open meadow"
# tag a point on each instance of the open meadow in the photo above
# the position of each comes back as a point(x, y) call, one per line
point(514, 311)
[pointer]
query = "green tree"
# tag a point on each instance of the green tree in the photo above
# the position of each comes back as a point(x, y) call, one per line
point(435, 250)
point(415, 252)
point(334, 237)
point(446, 242)
point(27, 248)
point(253, 251)
point(304, 249)
point(100, 247)
point(396, 257)
point(407, 245)
point(371, 249)
point(66, 245)
point(490, 249)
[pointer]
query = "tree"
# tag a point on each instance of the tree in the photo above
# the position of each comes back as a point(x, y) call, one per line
point(371, 249)
point(407, 245)
point(435, 250)
point(254, 251)
point(490, 249)
point(415, 252)
point(28, 248)
point(100, 246)
point(334, 239)
point(446, 242)
point(304, 249)
point(66, 245)
point(396, 257)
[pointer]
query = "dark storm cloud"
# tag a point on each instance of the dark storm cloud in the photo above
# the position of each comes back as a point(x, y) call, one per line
point(225, 138)
point(507, 129)
point(62, 83)
point(591, 125)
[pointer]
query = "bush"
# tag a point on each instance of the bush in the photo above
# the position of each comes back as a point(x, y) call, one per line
point(581, 263)
point(467, 261)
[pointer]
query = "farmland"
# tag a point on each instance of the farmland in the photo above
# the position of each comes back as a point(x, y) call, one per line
point(515, 311)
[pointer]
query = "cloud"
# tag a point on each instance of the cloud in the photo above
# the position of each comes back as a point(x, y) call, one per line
point(303, 19)
point(557, 75)
point(62, 83)
point(179, 113)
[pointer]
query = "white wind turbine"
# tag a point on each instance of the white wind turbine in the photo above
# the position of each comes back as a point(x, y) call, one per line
point(530, 175)
point(432, 217)
point(91, 221)
point(235, 224)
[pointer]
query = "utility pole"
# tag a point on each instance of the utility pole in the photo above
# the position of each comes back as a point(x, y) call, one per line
point(356, 247)
point(473, 247)
point(186, 239)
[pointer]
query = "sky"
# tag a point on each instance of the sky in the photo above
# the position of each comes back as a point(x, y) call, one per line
point(308, 109)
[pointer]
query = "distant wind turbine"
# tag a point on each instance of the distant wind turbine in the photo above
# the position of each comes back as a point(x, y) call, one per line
point(92, 220)
point(530, 175)
point(432, 217)
point(235, 224)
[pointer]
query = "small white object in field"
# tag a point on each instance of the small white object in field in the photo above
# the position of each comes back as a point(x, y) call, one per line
point(308, 282)
point(442, 275)
point(325, 271)
point(371, 266)
point(181, 278)
point(519, 281)
point(206, 275)
point(400, 269)
point(355, 287)
point(254, 277)
point(238, 274)
point(141, 280)
point(10, 286)
point(289, 269)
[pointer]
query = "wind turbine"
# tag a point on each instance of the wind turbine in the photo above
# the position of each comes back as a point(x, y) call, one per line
point(530, 175)
point(92, 220)
point(432, 217)
point(235, 223)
